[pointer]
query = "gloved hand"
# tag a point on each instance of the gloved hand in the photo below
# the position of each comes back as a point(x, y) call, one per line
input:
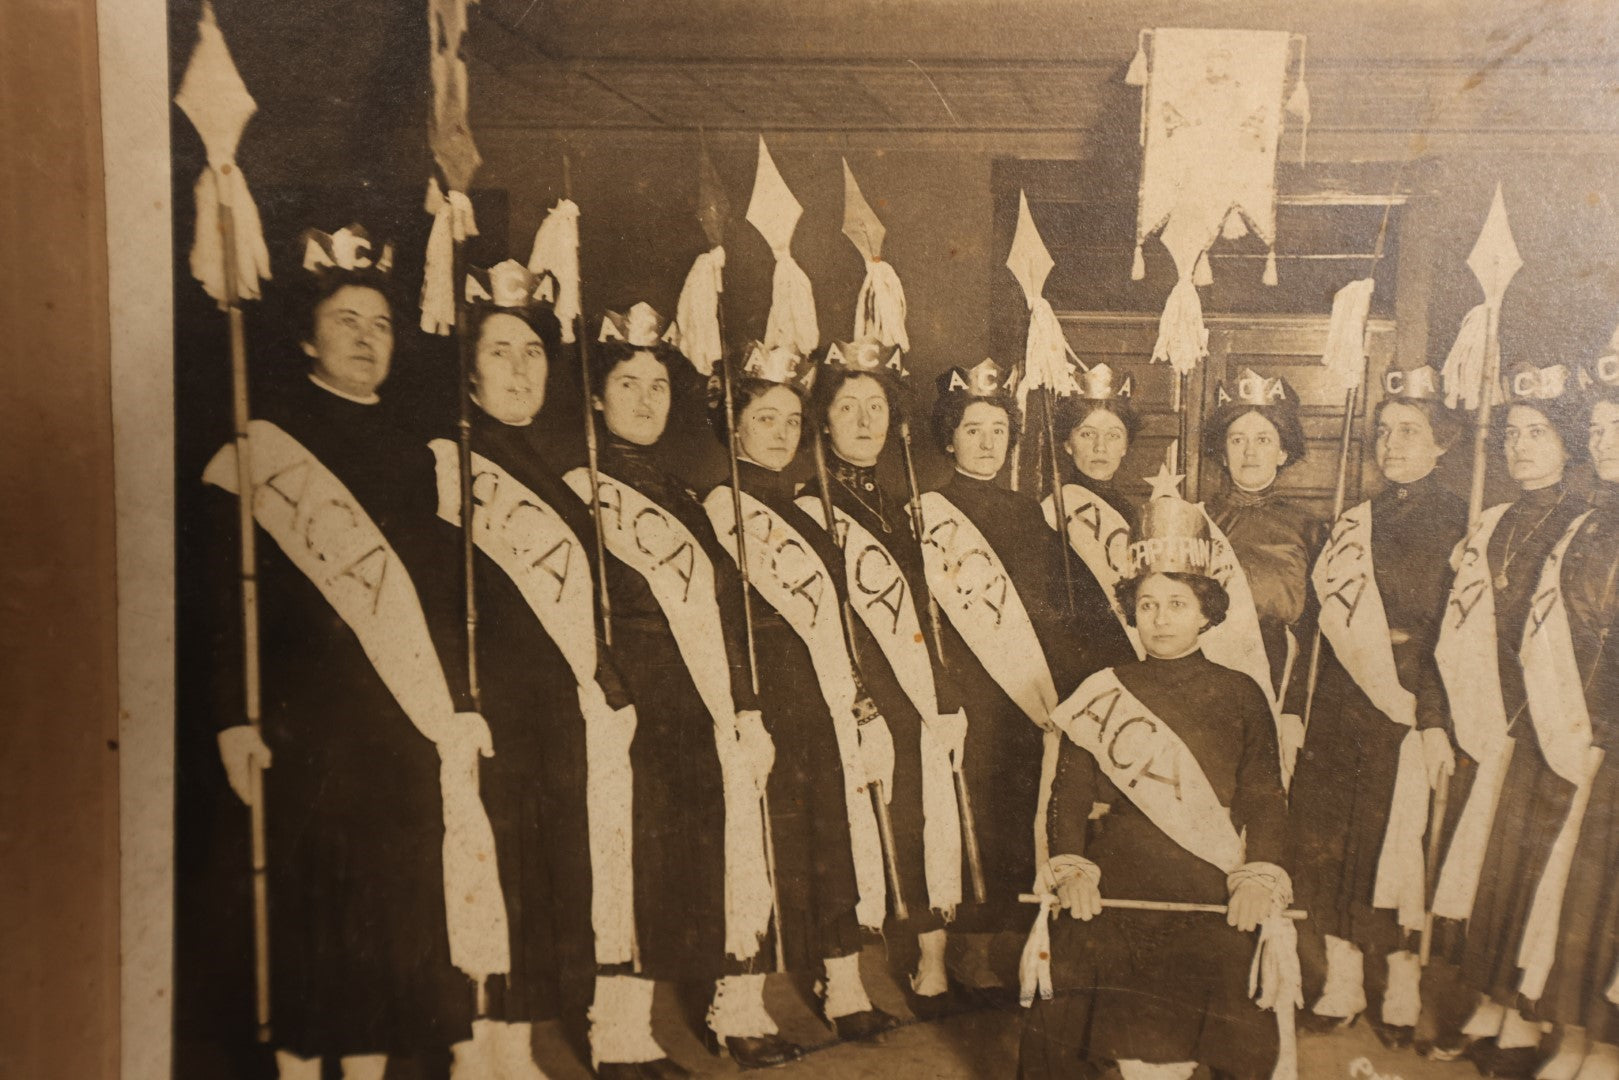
point(877, 754)
point(1249, 906)
point(1438, 759)
point(241, 748)
point(1290, 734)
point(758, 749)
point(951, 731)
point(467, 733)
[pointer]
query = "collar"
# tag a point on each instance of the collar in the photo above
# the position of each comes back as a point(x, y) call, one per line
point(1415, 490)
point(862, 479)
point(1236, 496)
point(763, 484)
point(369, 399)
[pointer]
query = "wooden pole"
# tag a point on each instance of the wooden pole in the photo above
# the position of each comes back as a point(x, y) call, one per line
point(1058, 503)
point(465, 356)
point(1339, 493)
point(1295, 914)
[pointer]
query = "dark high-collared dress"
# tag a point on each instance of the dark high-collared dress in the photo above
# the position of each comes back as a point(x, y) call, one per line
point(1004, 747)
point(1344, 783)
point(1160, 986)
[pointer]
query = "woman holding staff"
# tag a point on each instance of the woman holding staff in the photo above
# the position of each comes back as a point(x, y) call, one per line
point(1182, 752)
point(856, 402)
point(834, 747)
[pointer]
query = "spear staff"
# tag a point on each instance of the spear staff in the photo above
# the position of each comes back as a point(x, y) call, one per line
point(229, 258)
point(1472, 376)
point(880, 316)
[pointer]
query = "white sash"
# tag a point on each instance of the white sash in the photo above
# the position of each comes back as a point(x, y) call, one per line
point(785, 570)
point(655, 544)
point(537, 550)
point(325, 532)
point(1471, 672)
point(878, 593)
point(1562, 722)
point(1157, 771)
point(1355, 621)
point(1100, 537)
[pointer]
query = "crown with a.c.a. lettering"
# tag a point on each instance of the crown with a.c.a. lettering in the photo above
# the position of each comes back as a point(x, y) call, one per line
point(1420, 383)
point(1527, 384)
point(1171, 534)
point(986, 379)
point(348, 249)
point(777, 364)
point(867, 355)
point(1252, 388)
point(640, 326)
point(1101, 383)
point(510, 285)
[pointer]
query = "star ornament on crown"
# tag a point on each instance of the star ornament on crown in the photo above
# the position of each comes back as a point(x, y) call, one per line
point(641, 326)
point(1172, 535)
point(984, 380)
point(1252, 388)
point(866, 355)
point(510, 284)
point(1100, 383)
point(1418, 384)
point(777, 364)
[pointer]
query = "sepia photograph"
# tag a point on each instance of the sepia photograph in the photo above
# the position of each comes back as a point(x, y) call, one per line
point(929, 538)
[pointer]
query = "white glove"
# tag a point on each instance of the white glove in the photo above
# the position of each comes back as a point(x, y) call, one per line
point(758, 749)
point(1438, 759)
point(951, 732)
point(1290, 733)
point(877, 754)
point(467, 733)
point(241, 748)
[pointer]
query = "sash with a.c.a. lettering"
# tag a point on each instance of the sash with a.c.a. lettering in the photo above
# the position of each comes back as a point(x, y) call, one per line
point(879, 595)
point(1562, 722)
point(1100, 537)
point(1355, 621)
point(324, 531)
point(658, 546)
point(535, 548)
point(787, 572)
point(1237, 643)
point(1471, 672)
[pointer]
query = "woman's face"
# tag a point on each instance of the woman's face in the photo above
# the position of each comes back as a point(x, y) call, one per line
point(508, 380)
point(635, 399)
point(1253, 452)
point(1169, 617)
point(1406, 448)
point(1098, 444)
point(1605, 440)
point(981, 440)
point(767, 431)
point(352, 343)
point(1534, 449)
point(857, 420)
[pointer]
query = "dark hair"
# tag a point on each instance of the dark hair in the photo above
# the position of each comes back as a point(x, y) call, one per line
point(829, 380)
point(1568, 416)
point(949, 409)
point(607, 355)
point(745, 392)
point(539, 319)
point(1446, 424)
point(1284, 418)
point(1074, 410)
point(321, 287)
point(1599, 392)
point(1212, 599)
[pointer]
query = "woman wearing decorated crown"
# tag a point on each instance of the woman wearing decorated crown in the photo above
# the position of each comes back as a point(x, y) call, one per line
point(1012, 646)
point(1181, 751)
point(700, 755)
point(1379, 731)
point(1518, 802)
point(856, 402)
point(1580, 584)
point(360, 714)
point(833, 747)
point(558, 716)
point(1097, 425)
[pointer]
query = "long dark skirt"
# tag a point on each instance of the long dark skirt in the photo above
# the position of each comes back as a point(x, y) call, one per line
point(905, 805)
point(1588, 932)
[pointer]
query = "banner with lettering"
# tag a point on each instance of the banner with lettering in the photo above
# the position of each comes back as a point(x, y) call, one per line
point(1100, 537)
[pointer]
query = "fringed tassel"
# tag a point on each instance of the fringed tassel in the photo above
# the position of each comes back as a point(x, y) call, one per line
point(1270, 267)
point(1183, 340)
point(1345, 354)
point(1203, 274)
point(1048, 360)
point(791, 323)
point(452, 221)
point(696, 327)
point(556, 251)
point(1138, 268)
point(879, 310)
point(207, 249)
point(1463, 372)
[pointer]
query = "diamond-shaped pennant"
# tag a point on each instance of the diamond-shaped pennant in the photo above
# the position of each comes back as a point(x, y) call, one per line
point(860, 223)
point(212, 93)
point(713, 208)
point(1029, 260)
point(1495, 259)
point(772, 209)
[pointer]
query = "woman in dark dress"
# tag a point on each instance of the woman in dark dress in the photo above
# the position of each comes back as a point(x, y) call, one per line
point(1182, 753)
point(699, 753)
point(857, 402)
point(1012, 645)
point(1381, 604)
point(1577, 995)
point(360, 960)
point(832, 745)
point(1539, 438)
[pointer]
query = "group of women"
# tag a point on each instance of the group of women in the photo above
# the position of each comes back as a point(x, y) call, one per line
point(529, 748)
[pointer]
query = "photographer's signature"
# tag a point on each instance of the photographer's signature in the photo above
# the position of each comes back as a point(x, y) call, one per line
point(1362, 1069)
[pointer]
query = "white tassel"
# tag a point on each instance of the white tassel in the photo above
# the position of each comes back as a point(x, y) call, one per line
point(879, 310)
point(1203, 273)
point(1138, 267)
point(1137, 75)
point(791, 323)
point(1463, 372)
point(697, 311)
point(1182, 338)
point(556, 251)
point(207, 250)
point(1048, 359)
point(1270, 267)
point(1345, 354)
point(452, 221)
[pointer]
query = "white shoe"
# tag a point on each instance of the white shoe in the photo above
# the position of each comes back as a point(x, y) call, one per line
point(364, 1066)
point(289, 1066)
point(476, 1058)
point(1565, 1064)
point(514, 1053)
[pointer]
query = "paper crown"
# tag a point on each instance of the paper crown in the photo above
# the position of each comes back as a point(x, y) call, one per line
point(866, 355)
point(1418, 384)
point(346, 249)
point(1526, 384)
point(985, 380)
point(777, 364)
point(641, 327)
point(1252, 388)
point(1172, 535)
point(1603, 371)
point(1099, 383)
point(510, 285)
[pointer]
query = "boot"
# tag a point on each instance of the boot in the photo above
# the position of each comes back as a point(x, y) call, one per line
point(1601, 1062)
point(475, 1058)
point(364, 1066)
point(1564, 1064)
point(289, 1066)
point(513, 1053)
